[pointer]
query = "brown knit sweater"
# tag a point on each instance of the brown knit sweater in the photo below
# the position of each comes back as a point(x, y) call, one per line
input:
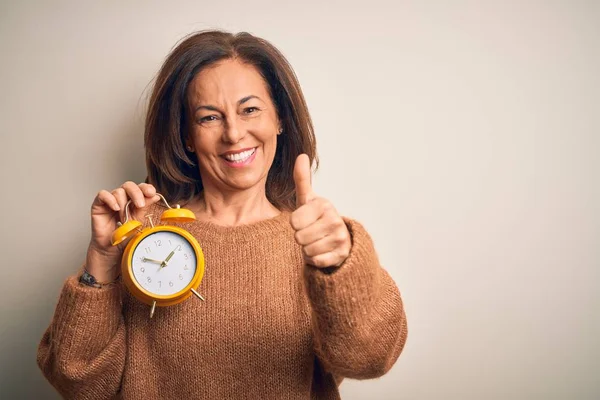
point(271, 327)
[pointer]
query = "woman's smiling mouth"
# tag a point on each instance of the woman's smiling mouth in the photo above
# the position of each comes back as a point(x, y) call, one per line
point(240, 158)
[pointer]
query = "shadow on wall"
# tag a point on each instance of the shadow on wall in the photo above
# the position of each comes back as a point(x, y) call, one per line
point(20, 377)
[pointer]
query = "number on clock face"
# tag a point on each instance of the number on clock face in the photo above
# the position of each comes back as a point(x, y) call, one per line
point(164, 263)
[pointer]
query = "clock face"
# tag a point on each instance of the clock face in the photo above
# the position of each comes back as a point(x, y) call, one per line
point(164, 263)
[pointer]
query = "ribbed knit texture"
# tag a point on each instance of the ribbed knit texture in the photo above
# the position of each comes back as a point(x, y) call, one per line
point(271, 327)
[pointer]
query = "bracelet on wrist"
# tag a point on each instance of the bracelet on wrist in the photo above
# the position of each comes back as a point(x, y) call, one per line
point(90, 280)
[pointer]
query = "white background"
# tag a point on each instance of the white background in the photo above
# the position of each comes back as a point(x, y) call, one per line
point(463, 134)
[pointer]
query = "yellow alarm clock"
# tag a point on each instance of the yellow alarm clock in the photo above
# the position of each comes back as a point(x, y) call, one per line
point(162, 265)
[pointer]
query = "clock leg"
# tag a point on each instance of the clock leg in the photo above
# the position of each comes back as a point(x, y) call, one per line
point(197, 294)
point(152, 309)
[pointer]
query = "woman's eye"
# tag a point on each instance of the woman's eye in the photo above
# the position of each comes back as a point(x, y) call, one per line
point(250, 110)
point(208, 118)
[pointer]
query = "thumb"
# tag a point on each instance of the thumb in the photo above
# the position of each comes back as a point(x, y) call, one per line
point(302, 179)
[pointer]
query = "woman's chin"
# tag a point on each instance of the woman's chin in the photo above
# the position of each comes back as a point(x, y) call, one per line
point(245, 183)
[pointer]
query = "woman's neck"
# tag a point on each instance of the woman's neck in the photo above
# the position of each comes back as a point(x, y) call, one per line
point(233, 208)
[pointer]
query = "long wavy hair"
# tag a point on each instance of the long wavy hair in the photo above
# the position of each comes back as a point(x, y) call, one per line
point(173, 171)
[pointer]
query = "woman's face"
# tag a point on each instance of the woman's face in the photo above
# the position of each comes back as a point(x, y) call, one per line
point(234, 126)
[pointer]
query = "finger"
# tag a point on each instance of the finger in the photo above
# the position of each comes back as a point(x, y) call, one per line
point(149, 192)
point(309, 213)
point(134, 193)
point(322, 246)
point(147, 189)
point(302, 179)
point(121, 198)
point(314, 232)
point(106, 198)
point(331, 259)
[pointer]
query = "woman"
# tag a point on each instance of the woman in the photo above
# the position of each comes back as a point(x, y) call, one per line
point(295, 297)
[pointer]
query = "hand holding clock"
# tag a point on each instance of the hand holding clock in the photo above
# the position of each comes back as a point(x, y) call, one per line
point(107, 209)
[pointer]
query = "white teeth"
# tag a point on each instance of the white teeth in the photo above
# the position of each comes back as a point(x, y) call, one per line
point(240, 157)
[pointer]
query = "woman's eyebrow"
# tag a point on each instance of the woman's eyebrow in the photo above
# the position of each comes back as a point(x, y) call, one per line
point(245, 99)
point(207, 107)
point(240, 102)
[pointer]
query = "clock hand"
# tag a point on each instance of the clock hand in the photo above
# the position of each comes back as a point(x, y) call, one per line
point(151, 260)
point(164, 263)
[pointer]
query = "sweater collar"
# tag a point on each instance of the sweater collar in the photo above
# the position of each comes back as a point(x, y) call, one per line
point(255, 231)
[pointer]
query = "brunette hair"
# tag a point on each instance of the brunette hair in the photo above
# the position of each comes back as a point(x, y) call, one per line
point(172, 170)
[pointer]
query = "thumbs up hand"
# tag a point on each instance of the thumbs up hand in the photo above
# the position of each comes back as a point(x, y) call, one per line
point(320, 230)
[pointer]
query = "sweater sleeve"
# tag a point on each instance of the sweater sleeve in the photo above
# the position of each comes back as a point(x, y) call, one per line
point(359, 324)
point(82, 353)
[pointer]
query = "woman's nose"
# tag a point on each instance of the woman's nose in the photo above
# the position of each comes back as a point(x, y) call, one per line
point(234, 131)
